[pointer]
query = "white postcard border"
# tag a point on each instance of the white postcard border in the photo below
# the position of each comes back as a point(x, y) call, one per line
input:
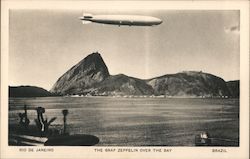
point(90, 152)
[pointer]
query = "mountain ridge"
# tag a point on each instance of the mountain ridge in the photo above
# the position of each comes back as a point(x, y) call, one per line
point(90, 76)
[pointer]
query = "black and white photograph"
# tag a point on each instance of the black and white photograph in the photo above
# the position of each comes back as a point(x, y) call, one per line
point(124, 77)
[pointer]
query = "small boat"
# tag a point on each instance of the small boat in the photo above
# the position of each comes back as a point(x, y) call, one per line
point(202, 139)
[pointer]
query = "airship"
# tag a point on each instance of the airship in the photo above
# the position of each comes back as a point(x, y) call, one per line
point(128, 20)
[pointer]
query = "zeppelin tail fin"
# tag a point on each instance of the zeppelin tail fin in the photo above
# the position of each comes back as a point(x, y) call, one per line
point(87, 15)
point(86, 18)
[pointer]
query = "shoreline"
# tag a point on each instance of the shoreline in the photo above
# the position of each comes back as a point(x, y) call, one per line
point(134, 96)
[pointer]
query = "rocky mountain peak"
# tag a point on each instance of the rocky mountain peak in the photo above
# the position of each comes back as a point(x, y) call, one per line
point(85, 74)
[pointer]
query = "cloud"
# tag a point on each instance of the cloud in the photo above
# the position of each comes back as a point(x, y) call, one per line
point(232, 29)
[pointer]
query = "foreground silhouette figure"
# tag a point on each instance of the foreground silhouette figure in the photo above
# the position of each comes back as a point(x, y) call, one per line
point(24, 120)
point(65, 113)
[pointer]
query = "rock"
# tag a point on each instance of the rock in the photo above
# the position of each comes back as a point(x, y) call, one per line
point(84, 75)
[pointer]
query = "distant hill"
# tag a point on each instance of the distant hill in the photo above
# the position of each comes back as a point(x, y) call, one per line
point(234, 88)
point(28, 91)
point(189, 83)
point(91, 77)
point(123, 85)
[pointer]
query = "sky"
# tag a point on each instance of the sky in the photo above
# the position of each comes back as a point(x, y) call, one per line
point(44, 44)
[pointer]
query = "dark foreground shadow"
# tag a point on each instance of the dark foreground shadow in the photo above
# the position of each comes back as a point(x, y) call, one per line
point(72, 140)
point(32, 137)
